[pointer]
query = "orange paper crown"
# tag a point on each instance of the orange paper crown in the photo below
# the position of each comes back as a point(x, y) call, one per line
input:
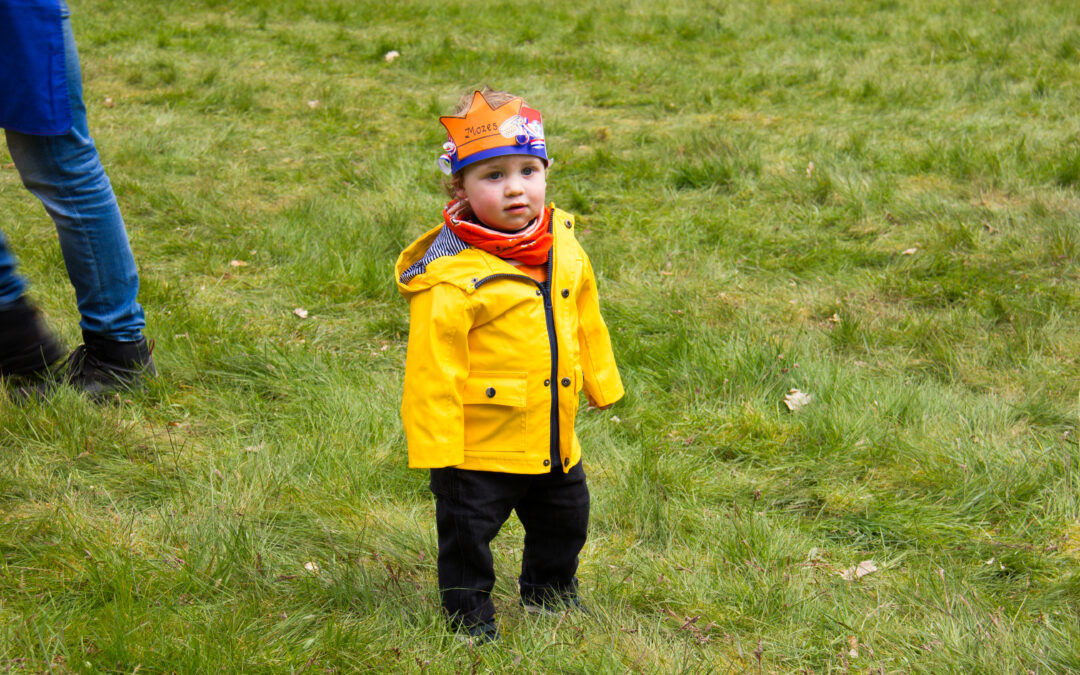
point(482, 132)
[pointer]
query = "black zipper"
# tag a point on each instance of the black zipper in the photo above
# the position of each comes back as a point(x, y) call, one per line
point(553, 345)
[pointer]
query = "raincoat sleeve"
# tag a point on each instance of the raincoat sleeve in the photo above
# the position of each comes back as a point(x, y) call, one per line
point(603, 386)
point(436, 367)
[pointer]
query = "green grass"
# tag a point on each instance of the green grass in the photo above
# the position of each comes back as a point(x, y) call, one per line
point(875, 203)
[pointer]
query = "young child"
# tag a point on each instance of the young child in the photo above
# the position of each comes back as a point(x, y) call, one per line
point(505, 330)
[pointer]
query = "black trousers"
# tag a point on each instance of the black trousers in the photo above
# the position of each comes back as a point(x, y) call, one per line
point(471, 506)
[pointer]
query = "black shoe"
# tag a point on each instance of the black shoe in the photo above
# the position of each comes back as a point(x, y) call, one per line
point(101, 367)
point(475, 636)
point(26, 345)
point(561, 605)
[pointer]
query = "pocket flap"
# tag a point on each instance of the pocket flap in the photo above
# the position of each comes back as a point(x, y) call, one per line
point(495, 388)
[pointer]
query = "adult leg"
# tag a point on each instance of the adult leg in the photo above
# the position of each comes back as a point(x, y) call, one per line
point(470, 508)
point(555, 513)
point(26, 345)
point(66, 174)
point(12, 286)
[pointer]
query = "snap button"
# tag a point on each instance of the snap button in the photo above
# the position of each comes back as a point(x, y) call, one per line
point(547, 383)
point(566, 382)
point(547, 462)
point(568, 224)
point(538, 292)
point(490, 392)
point(566, 462)
point(566, 292)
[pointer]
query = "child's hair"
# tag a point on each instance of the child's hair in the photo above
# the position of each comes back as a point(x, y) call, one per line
point(495, 98)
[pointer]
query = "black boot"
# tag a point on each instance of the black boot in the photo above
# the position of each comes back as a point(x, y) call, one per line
point(101, 366)
point(26, 345)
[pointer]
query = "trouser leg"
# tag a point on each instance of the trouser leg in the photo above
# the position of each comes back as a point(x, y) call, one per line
point(12, 286)
point(66, 174)
point(555, 514)
point(470, 507)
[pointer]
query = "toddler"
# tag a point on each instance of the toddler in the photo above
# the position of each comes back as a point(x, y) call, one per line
point(504, 332)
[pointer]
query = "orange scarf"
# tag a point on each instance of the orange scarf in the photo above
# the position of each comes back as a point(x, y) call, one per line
point(529, 245)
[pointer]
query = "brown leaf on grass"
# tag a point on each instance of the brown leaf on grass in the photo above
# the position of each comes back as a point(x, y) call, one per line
point(237, 263)
point(859, 571)
point(300, 312)
point(853, 646)
point(108, 102)
point(909, 251)
point(795, 400)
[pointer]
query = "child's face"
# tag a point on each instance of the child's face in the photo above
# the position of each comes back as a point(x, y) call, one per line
point(505, 192)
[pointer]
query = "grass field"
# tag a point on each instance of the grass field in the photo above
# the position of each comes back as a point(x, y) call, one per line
point(875, 203)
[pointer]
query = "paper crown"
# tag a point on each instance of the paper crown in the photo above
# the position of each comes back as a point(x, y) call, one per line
point(483, 132)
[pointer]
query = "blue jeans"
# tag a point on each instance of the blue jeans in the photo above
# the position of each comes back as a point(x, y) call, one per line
point(65, 173)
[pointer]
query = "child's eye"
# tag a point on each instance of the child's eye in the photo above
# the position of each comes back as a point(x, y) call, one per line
point(528, 171)
point(494, 175)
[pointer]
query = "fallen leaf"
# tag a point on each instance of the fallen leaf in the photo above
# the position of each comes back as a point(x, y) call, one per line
point(314, 103)
point(311, 567)
point(796, 399)
point(909, 251)
point(392, 55)
point(853, 646)
point(238, 263)
point(108, 102)
point(300, 312)
point(809, 169)
point(859, 571)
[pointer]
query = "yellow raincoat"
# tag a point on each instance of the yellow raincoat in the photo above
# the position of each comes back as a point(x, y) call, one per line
point(495, 361)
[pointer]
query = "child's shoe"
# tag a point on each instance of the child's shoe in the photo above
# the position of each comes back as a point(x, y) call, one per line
point(477, 636)
point(553, 606)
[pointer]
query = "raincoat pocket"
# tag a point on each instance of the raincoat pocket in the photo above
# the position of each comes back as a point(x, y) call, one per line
point(494, 408)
